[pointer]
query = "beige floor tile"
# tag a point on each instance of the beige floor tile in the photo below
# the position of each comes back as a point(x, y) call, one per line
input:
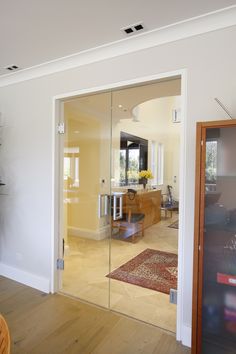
point(87, 265)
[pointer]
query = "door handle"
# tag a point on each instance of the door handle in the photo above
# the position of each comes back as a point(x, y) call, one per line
point(102, 205)
point(117, 207)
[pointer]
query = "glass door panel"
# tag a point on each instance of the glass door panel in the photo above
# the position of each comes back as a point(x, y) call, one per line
point(86, 197)
point(141, 242)
point(219, 243)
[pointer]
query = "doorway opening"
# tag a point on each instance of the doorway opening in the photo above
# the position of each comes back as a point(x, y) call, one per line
point(120, 200)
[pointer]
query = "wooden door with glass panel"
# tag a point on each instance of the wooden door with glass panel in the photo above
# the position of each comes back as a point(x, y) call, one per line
point(214, 292)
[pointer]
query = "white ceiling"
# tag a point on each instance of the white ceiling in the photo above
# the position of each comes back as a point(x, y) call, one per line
point(37, 31)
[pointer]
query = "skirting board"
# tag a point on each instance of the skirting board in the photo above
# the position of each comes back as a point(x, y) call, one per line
point(90, 234)
point(186, 335)
point(21, 276)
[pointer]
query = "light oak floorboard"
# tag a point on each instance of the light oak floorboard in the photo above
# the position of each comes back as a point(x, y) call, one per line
point(56, 324)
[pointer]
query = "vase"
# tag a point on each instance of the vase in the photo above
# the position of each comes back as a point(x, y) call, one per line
point(144, 182)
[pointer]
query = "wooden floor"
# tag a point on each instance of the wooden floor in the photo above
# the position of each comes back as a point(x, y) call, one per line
point(51, 324)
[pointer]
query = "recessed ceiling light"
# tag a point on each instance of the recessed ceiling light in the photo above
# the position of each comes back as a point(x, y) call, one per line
point(128, 30)
point(120, 106)
point(12, 68)
point(133, 29)
point(139, 27)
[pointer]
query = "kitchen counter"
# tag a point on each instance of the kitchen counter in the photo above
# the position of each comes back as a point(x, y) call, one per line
point(147, 202)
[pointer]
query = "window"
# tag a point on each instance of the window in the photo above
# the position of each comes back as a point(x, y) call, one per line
point(133, 163)
point(122, 166)
point(133, 158)
point(154, 161)
point(76, 183)
point(71, 166)
point(211, 161)
point(66, 167)
point(160, 164)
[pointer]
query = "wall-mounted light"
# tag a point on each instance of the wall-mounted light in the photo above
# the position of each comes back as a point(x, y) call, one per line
point(176, 115)
point(135, 114)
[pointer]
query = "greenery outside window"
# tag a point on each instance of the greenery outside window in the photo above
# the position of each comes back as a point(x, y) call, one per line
point(133, 158)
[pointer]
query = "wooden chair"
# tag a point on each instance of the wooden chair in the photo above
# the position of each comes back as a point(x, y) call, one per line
point(130, 225)
point(167, 202)
point(165, 205)
point(4, 337)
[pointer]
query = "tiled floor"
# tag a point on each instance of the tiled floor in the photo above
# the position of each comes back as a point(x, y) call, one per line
point(87, 265)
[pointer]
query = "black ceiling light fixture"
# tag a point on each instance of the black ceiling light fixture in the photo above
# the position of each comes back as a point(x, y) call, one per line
point(139, 27)
point(12, 68)
point(128, 30)
point(133, 29)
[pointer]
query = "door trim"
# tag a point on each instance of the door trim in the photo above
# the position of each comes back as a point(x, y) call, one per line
point(182, 331)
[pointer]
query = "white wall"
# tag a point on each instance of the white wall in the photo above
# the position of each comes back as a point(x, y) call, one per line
point(93, 141)
point(26, 213)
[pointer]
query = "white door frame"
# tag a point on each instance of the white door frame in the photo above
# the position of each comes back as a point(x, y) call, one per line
point(55, 276)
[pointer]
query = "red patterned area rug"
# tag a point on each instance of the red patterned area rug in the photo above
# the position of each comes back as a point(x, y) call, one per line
point(150, 269)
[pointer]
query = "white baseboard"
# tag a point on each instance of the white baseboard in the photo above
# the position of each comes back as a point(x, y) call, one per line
point(90, 234)
point(21, 276)
point(186, 335)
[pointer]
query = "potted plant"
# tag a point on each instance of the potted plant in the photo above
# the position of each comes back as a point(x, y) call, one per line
point(144, 175)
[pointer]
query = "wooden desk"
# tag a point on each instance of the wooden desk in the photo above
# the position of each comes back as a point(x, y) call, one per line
point(146, 202)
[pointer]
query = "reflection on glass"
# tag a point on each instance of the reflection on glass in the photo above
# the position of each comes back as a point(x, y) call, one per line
point(86, 179)
point(219, 283)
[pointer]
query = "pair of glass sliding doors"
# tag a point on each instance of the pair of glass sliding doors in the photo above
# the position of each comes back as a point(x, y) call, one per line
point(106, 210)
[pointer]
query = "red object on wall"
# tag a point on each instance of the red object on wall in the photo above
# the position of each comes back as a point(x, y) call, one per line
point(226, 279)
